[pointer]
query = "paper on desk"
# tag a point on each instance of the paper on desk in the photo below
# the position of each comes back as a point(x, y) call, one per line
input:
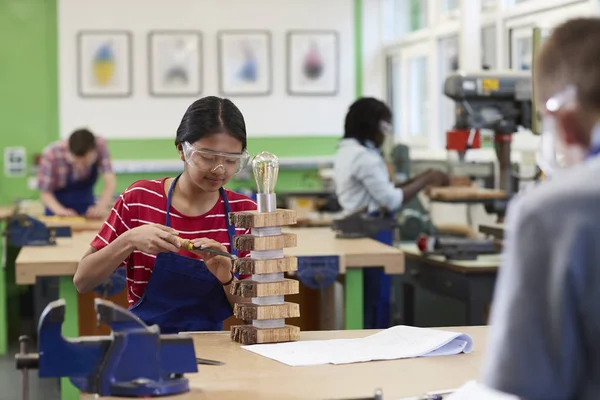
point(473, 390)
point(393, 343)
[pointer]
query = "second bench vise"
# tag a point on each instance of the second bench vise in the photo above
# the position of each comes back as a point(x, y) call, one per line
point(24, 230)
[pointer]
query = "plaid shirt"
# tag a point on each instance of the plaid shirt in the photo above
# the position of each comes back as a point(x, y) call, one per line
point(55, 166)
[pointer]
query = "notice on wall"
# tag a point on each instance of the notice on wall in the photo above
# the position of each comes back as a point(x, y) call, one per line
point(14, 161)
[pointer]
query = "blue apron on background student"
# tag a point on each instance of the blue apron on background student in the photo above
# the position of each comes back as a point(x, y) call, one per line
point(378, 289)
point(77, 195)
point(182, 294)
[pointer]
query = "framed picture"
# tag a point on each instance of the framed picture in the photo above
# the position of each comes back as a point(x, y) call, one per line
point(104, 64)
point(175, 63)
point(313, 63)
point(245, 63)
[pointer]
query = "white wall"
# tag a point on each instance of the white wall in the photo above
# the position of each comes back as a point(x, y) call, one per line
point(142, 116)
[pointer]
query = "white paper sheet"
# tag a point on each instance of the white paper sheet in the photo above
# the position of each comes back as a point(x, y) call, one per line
point(393, 343)
point(473, 390)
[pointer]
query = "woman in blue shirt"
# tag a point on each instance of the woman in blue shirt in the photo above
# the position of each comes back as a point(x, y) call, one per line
point(363, 182)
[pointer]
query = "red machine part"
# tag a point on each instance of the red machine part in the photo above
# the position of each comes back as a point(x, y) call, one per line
point(458, 140)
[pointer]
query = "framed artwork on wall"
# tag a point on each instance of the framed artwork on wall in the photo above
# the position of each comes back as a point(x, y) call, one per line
point(175, 63)
point(245, 63)
point(104, 64)
point(313, 63)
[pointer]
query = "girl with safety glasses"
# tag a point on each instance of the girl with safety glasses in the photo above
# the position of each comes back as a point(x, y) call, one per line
point(177, 289)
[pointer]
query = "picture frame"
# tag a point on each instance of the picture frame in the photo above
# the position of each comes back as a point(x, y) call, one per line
point(245, 62)
point(175, 63)
point(104, 64)
point(313, 63)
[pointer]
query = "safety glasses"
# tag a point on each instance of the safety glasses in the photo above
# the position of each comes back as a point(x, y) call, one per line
point(208, 160)
point(552, 155)
point(386, 128)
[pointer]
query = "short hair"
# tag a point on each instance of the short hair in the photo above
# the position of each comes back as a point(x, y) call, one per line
point(570, 56)
point(208, 116)
point(363, 120)
point(81, 142)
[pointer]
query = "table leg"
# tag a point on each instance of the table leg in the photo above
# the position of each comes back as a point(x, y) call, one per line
point(353, 299)
point(70, 329)
point(408, 300)
point(3, 316)
point(3, 295)
point(481, 291)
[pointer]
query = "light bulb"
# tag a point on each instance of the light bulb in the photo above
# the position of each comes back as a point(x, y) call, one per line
point(265, 167)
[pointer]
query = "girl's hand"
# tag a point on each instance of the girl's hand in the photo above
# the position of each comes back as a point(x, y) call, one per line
point(153, 239)
point(219, 266)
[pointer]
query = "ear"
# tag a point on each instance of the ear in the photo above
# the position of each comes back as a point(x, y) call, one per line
point(570, 129)
point(180, 151)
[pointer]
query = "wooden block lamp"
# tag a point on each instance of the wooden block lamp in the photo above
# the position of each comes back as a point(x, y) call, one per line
point(266, 308)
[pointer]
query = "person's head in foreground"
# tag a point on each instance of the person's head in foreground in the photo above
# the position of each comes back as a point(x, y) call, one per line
point(82, 148)
point(567, 89)
point(368, 121)
point(211, 139)
point(545, 321)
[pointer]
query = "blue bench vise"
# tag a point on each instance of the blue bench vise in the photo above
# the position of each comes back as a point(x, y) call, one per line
point(24, 230)
point(134, 361)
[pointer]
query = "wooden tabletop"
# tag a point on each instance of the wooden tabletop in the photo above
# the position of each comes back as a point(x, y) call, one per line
point(6, 210)
point(353, 253)
point(77, 224)
point(247, 376)
point(63, 258)
point(487, 263)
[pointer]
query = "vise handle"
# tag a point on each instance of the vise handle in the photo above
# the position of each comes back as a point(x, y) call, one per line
point(24, 362)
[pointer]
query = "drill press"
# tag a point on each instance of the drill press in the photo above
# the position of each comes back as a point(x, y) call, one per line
point(499, 101)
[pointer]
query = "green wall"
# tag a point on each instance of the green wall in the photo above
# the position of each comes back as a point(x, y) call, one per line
point(28, 83)
point(29, 103)
point(283, 147)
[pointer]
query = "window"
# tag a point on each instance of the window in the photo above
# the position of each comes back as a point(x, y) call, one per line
point(488, 46)
point(449, 5)
point(418, 100)
point(521, 48)
point(413, 122)
point(449, 62)
point(394, 95)
point(418, 14)
point(488, 5)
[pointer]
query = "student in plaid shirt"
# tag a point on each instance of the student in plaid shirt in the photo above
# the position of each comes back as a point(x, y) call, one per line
point(68, 171)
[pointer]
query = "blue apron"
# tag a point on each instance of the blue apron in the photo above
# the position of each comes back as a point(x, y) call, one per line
point(77, 195)
point(182, 294)
point(377, 289)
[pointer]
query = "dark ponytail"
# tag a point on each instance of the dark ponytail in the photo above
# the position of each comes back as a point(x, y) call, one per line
point(208, 116)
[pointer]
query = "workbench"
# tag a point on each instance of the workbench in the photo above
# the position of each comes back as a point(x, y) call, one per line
point(470, 281)
point(77, 224)
point(248, 376)
point(353, 254)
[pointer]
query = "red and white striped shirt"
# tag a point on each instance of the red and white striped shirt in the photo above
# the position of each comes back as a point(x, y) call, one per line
point(145, 202)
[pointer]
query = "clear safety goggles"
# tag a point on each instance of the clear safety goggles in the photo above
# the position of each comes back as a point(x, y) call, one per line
point(213, 161)
point(386, 128)
point(552, 154)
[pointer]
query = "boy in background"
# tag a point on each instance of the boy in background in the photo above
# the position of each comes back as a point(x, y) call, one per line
point(545, 321)
point(68, 172)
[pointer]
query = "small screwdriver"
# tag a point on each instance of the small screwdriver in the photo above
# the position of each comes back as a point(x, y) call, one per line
point(188, 245)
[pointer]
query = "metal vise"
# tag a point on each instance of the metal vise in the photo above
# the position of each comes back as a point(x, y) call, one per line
point(361, 225)
point(454, 248)
point(134, 361)
point(23, 230)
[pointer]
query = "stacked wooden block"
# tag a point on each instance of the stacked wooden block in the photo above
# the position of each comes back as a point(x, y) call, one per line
point(267, 308)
